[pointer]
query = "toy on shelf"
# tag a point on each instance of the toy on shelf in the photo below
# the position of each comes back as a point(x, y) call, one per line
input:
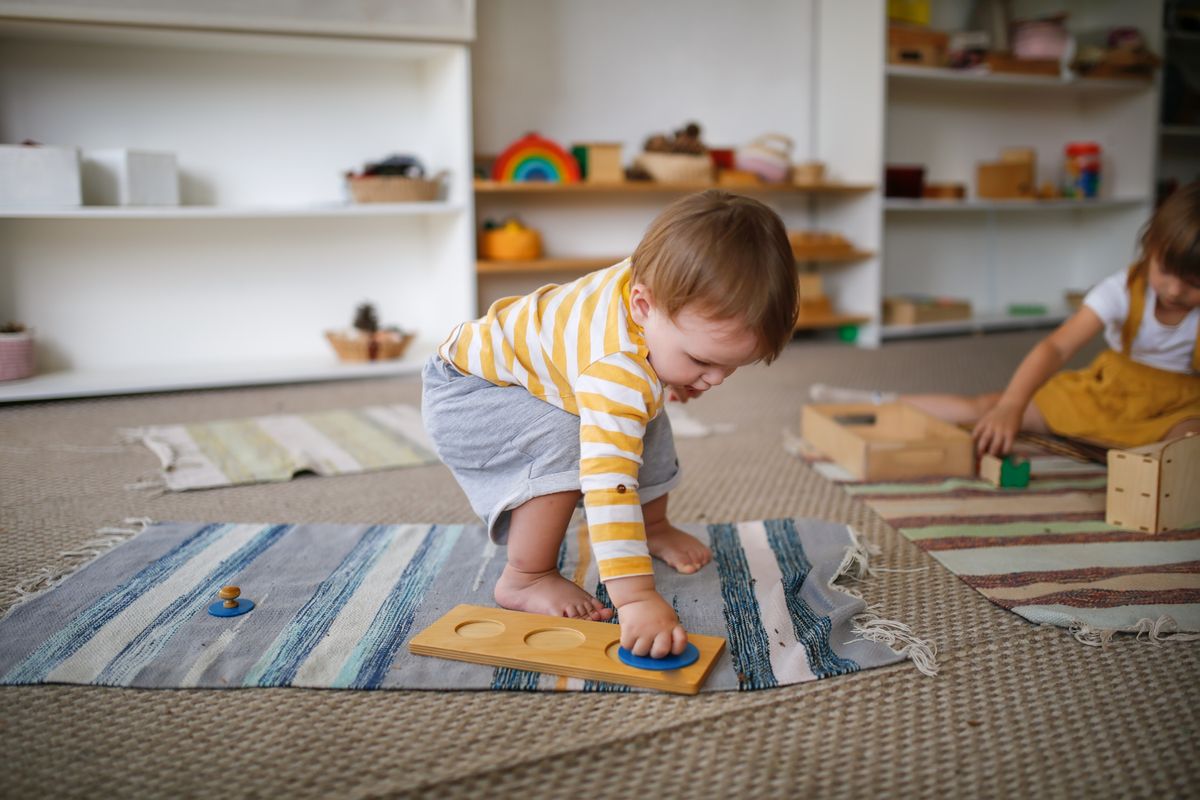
point(808, 173)
point(599, 162)
point(1013, 176)
point(1123, 54)
point(395, 179)
point(16, 352)
point(559, 646)
point(511, 241)
point(916, 45)
point(1153, 488)
point(769, 156)
point(1010, 472)
point(681, 158)
point(813, 300)
point(366, 341)
point(534, 158)
point(892, 441)
point(903, 180)
point(916, 309)
point(815, 245)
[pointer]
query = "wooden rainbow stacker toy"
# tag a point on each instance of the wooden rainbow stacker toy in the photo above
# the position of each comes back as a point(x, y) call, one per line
point(572, 647)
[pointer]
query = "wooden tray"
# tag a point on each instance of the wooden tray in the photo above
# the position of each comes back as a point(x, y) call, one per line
point(573, 647)
point(893, 441)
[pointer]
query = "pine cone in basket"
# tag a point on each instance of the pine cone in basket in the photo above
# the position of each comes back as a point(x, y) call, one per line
point(365, 318)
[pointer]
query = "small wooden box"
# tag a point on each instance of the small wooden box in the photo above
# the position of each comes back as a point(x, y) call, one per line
point(918, 310)
point(1004, 180)
point(916, 46)
point(1154, 488)
point(604, 162)
point(893, 441)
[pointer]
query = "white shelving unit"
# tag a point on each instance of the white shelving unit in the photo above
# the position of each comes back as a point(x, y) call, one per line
point(266, 112)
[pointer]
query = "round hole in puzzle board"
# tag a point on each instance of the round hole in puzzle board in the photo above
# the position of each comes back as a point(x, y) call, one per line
point(479, 629)
point(555, 639)
point(611, 652)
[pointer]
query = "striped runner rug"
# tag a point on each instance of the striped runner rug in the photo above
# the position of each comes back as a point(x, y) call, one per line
point(337, 604)
point(1044, 552)
point(276, 447)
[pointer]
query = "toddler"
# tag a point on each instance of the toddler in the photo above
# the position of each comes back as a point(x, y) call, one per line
point(558, 394)
point(1145, 388)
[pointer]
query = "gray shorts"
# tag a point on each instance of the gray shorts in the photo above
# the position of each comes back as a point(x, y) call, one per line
point(506, 446)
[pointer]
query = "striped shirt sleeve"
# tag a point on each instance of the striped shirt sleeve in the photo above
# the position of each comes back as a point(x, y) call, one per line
point(617, 396)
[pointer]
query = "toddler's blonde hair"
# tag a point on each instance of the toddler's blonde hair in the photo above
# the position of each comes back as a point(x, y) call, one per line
point(727, 256)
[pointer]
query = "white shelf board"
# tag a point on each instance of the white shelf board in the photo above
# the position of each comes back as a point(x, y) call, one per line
point(180, 377)
point(976, 324)
point(234, 212)
point(219, 40)
point(942, 206)
point(974, 77)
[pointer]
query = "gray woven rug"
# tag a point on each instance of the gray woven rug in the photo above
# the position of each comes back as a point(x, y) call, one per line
point(336, 605)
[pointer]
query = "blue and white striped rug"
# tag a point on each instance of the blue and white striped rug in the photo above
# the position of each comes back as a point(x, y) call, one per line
point(336, 605)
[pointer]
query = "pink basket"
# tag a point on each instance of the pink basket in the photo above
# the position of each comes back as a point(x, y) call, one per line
point(16, 356)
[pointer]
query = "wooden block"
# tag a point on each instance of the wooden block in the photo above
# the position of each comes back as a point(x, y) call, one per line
point(893, 441)
point(1005, 180)
point(573, 647)
point(604, 162)
point(1153, 488)
point(1004, 473)
point(919, 310)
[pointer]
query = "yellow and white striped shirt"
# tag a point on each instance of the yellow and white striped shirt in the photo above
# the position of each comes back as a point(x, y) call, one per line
point(577, 347)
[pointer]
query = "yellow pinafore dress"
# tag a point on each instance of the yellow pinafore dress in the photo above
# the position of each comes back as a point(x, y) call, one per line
point(1116, 400)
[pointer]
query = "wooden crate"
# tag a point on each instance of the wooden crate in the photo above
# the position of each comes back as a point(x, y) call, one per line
point(893, 441)
point(1153, 488)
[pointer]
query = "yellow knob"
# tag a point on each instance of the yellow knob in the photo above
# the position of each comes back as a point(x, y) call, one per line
point(229, 594)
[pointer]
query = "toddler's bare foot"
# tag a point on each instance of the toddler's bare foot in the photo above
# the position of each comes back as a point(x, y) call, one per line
point(681, 550)
point(547, 593)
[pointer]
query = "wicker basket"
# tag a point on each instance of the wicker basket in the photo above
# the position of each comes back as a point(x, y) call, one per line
point(677, 167)
point(378, 346)
point(394, 188)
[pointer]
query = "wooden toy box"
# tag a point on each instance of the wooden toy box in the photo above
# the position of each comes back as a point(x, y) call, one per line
point(1155, 488)
point(893, 441)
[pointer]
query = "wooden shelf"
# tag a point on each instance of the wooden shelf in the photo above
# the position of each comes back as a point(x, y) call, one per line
point(652, 187)
point(817, 322)
point(484, 267)
point(907, 74)
point(831, 256)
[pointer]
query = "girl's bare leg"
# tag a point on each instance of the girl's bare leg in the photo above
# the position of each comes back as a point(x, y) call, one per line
point(966, 409)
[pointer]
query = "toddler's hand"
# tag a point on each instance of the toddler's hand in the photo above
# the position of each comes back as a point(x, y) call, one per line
point(649, 626)
point(997, 429)
point(682, 394)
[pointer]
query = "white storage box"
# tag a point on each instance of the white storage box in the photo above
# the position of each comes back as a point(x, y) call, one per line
point(130, 178)
point(36, 176)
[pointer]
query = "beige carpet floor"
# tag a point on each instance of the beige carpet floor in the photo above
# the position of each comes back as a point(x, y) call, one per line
point(1016, 711)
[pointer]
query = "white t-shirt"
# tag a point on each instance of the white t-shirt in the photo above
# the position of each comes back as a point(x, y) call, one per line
point(1167, 347)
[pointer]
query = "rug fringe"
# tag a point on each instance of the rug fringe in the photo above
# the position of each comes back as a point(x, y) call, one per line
point(1154, 631)
point(47, 578)
point(869, 625)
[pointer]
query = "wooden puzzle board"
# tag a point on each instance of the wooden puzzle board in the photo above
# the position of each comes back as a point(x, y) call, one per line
point(559, 646)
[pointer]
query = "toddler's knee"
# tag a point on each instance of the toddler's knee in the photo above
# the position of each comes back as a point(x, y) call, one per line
point(1185, 427)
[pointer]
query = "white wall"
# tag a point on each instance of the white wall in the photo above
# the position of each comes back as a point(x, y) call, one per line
point(621, 70)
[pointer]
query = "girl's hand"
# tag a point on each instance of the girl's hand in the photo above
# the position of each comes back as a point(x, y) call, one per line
point(682, 394)
point(997, 429)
